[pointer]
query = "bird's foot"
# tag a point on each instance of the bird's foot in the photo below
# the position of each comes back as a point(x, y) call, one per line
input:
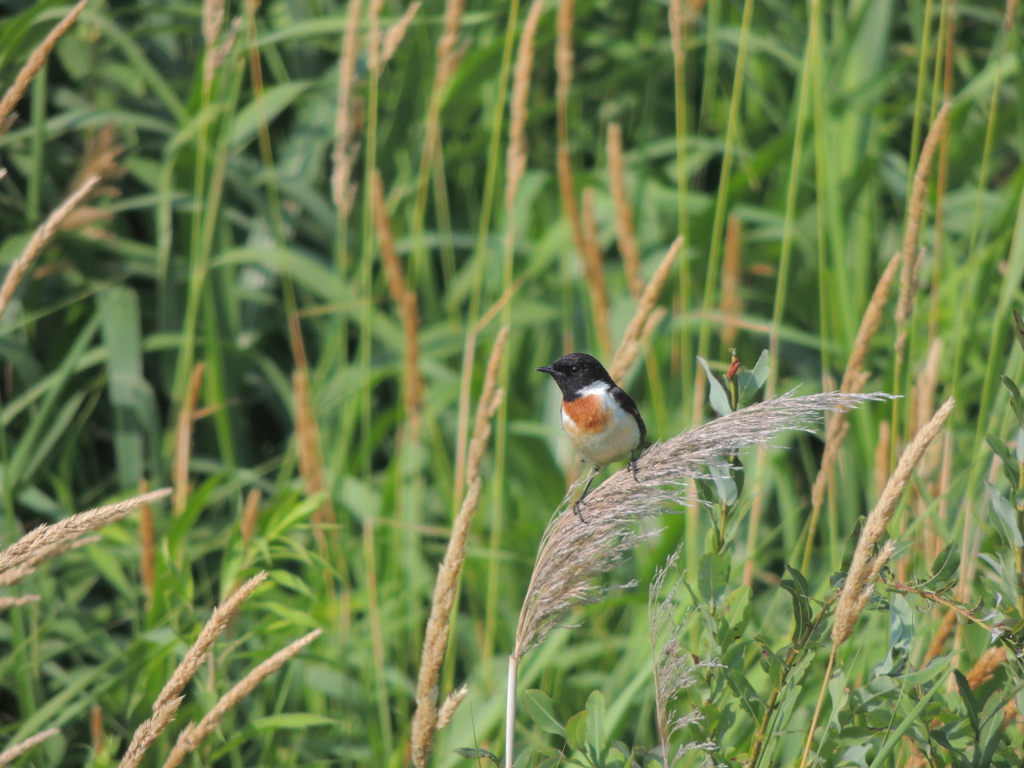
point(632, 465)
point(578, 509)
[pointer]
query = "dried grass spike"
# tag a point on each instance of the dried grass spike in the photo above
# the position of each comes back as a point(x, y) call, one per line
point(35, 62)
point(15, 751)
point(196, 655)
point(193, 735)
point(40, 238)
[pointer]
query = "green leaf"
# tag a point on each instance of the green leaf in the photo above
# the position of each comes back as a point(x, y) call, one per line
point(1005, 518)
point(476, 753)
point(751, 381)
point(276, 99)
point(724, 482)
point(1011, 467)
point(1018, 328)
point(944, 568)
point(717, 395)
point(596, 730)
point(802, 613)
point(541, 708)
point(896, 735)
point(291, 721)
point(576, 730)
point(712, 577)
point(969, 702)
point(1016, 402)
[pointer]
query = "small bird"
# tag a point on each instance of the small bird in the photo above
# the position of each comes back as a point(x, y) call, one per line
point(601, 420)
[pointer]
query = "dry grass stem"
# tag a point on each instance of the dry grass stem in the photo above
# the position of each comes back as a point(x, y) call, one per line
point(396, 33)
point(13, 602)
point(213, 21)
point(40, 238)
point(250, 513)
point(625, 228)
point(854, 379)
point(869, 323)
point(196, 655)
point(343, 153)
point(216, 56)
point(881, 472)
point(15, 751)
point(915, 212)
point(183, 438)
point(447, 59)
point(14, 575)
point(593, 271)
point(731, 304)
point(148, 732)
point(48, 535)
point(515, 163)
point(863, 570)
point(31, 68)
point(194, 734)
point(408, 307)
point(629, 347)
point(97, 735)
point(425, 721)
point(573, 554)
point(310, 452)
point(563, 70)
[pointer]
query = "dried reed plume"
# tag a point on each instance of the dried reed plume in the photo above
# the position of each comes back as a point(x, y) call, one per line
point(593, 271)
point(408, 308)
point(573, 554)
point(731, 303)
point(41, 237)
point(854, 379)
point(342, 190)
point(427, 720)
point(867, 565)
point(447, 59)
point(15, 751)
point(629, 347)
point(307, 437)
point(250, 512)
point(35, 62)
point(218, 54)
point(49, 535)
point(196, 655)
point(183, 438)
point(148, 732)
point(985, 667)
point(194, 733)
point(212, 23)
point(42, 554)
point(938, 643)
point(625, 229)
point(859, 587)
point(12, 602)
point(147, 548)
point(515, 162)
point(673, 670)
point(563, 70)
point(915, 212)
point(396, 33)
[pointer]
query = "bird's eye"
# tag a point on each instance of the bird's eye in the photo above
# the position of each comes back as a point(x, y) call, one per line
point(575, 369)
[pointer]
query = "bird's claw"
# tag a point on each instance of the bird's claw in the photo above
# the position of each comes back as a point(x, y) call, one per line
point(577, 509)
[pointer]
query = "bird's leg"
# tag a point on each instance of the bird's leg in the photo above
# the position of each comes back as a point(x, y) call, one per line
point(634, 457)
point(579, 502)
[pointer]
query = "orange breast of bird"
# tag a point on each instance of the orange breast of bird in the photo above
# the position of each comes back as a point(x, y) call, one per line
point(585, 416)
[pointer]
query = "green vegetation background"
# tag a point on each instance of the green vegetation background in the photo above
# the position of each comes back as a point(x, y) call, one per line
point(801, 122)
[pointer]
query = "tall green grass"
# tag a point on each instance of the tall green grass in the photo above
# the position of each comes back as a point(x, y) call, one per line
point(802, 121)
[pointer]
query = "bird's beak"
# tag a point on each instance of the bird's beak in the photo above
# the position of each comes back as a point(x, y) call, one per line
point(547, 369)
